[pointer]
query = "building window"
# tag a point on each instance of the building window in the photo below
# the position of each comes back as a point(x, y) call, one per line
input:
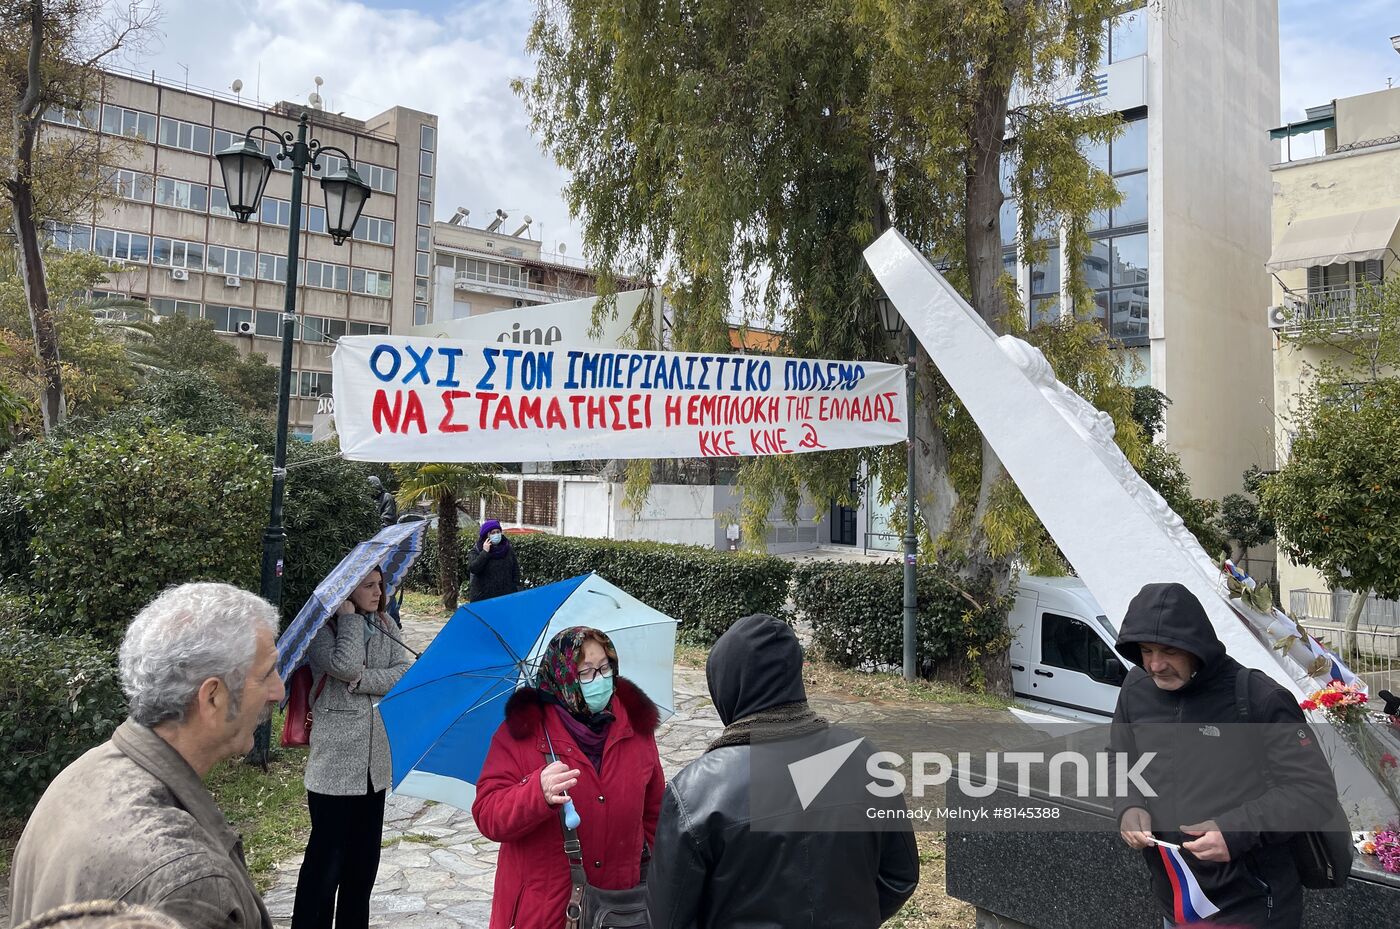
point(118, 120)
point(384, 180)
point(491, 272)
point(313, 384)
point(327, 276)
point(223, 139)
point(425, 213)
point(276, 212)
point(374, 283)
point(228, 318)
point(1045, 288)
point(422, 262)
point(420, 314)
point(69, 237)
point(425, 239)
point(232, 261)
point(427, 138)
point(267, 323)
point(425, 188)
point(174, 253)
point(176, 133)
point(1128, 36)
point(182, 195)
point(78, 119)
point(420, 289)
point(122, 246)
point(165, 307)
point(425, 163)
point(132, 185)
point(374, 229)
point(1117, 270)
point(272, 268)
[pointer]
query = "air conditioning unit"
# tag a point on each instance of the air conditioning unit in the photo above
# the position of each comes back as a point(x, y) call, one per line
point(519, 303)
point(233, 280)
point(245, 328)
point(179, 274)
point(1279, 317)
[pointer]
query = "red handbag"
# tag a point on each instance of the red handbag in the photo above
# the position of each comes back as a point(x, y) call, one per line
point(296, 727)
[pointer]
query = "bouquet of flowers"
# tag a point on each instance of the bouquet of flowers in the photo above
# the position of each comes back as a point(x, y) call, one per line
point(1384, 844)
point(1344, 704)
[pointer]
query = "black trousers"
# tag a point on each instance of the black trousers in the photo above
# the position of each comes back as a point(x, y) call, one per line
point(342, 857)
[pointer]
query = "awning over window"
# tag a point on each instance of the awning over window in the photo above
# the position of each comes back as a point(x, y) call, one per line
point(1336, 239)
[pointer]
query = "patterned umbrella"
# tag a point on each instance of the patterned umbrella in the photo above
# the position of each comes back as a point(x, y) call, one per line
point(393, 551)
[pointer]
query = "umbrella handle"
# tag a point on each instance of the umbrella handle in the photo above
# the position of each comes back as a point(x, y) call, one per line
point(571, 818)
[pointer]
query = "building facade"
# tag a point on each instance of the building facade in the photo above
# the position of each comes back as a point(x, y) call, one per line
point(167, 223)
point(1174, 268)
point(1336, 228)
point(479, 270)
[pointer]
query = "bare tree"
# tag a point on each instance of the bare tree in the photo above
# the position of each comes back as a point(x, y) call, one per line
point(50, 56)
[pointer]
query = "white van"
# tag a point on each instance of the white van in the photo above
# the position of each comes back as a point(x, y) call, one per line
point(1062, 656)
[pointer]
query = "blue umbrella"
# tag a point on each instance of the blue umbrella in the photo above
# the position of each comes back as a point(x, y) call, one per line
point(393, 551)
point(442, 713)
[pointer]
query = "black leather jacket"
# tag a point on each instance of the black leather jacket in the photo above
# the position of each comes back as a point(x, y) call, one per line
point(710, 870)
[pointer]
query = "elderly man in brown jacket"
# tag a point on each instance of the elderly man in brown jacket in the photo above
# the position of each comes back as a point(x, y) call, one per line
point(131, 820)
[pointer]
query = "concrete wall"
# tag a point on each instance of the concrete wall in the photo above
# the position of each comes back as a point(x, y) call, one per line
point(1368, 117)
point(1213, 92)
point(672, 513)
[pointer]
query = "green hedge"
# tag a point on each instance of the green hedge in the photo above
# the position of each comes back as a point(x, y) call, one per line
point(117, 517)
point(704, 589)
point(59, 696)
point(857, 614)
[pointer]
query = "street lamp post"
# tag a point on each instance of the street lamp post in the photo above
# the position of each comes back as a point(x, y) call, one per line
point(894, 324)
point(246, 169)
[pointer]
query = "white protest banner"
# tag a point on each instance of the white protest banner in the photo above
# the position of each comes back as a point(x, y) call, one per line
point(408, 398)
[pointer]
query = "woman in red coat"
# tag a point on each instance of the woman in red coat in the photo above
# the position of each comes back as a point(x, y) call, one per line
point(602, 728)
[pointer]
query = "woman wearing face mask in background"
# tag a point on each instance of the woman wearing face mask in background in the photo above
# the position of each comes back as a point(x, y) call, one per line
point(493, 568)
point(602, 729)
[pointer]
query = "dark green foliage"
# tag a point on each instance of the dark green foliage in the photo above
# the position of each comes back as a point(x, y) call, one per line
point(857, 614)
point(704, 589)
point(1150, 410)
point(117, 517)
point(189, 400)
point(328, 512)
point(59, 697)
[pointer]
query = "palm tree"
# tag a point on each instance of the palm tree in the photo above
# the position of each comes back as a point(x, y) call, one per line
point(451, 487)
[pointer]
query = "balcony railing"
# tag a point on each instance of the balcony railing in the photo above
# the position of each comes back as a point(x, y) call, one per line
point(1340, 308)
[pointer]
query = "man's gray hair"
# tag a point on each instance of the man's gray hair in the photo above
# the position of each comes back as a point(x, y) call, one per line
point(182, 638)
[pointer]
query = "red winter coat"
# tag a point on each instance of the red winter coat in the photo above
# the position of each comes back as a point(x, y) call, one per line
point(618, 810)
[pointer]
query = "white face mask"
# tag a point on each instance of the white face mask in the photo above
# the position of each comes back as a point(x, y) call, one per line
point(494, 538)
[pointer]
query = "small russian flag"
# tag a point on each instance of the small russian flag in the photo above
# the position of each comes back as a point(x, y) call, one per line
point(1189, 902)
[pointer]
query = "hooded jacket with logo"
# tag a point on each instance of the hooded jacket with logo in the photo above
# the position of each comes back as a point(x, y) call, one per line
point(1250, 780)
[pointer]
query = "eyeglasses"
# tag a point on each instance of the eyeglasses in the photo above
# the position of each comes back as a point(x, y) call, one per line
point(587, 675)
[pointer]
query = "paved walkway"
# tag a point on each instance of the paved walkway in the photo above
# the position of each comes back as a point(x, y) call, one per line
point(436, 871)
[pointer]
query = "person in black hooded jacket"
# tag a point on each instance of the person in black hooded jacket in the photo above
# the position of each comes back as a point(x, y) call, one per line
point(715, 866)
point(1225, 793)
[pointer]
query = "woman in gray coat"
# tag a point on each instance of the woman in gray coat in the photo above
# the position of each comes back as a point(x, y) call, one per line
point(359, 661)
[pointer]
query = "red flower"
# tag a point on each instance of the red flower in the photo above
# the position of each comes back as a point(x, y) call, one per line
point(1329, 698)
point(1388, 760)
point(1309, 704)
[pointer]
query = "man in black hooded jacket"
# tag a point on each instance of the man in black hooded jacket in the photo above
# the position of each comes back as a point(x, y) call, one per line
point(714, 866)
point(1225, 793)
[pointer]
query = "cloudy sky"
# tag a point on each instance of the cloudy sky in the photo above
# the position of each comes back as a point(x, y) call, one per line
point(456, 58)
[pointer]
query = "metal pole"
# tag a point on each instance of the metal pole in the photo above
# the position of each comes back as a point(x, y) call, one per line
point(911, 595)
point(274, 539)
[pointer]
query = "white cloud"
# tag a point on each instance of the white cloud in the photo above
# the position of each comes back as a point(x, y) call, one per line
point(457, 62)
point(1326, 53)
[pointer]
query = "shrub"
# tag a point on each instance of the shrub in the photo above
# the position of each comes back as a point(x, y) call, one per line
point(117, 517)
point(59, 696)
point(857, 614)
point(328, 512)
point(705, 590)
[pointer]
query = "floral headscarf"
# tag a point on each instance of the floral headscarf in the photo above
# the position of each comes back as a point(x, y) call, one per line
point(558, 672)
